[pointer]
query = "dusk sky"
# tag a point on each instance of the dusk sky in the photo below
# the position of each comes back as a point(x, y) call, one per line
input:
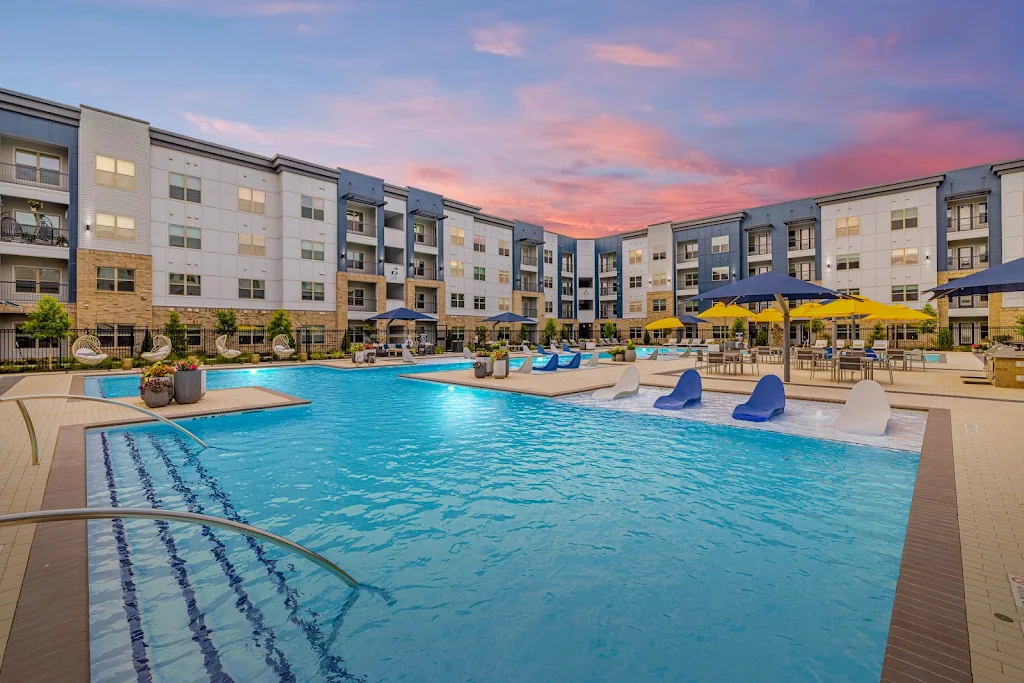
point(587, 117)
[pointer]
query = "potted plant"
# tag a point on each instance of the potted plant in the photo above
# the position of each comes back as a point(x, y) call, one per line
point(479, 368)
point(630, 351)
point(500, 360)
point(618, 353)
point(190, 380)
point(126, 363)
point(35, 205)
point(157, 385)
point(485, 356)
point(589, 344)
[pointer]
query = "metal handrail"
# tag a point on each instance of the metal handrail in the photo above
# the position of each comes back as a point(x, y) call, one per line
point(42, 516)
point(32, 430)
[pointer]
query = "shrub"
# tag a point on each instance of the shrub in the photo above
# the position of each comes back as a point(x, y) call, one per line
point(280, 323)
point(616, 350)
point(647, 337)
point(928, 326)
point(776, 334)
point(630, 345)
point(481, 333)
point(1020, 325)
point(877, 332)
point(817, 327)
point(738, 326)
point(550, 330)
point(762, 336)
point(147, 342)
point(226, 322)
point(944, 339)
point(610, 330)
point(176, 332)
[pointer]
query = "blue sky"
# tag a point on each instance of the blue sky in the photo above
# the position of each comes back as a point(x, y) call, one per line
point(587, 117)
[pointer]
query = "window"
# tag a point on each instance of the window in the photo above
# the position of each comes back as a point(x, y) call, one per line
point(111, 227)
point(504, 277)
point(312, 334)
point(854, 291)
point(110, 334)
point(659, 305)
point(186, 187)
point(847, 227)
point(720, 244)
point(187, 238)
point(312, 291)
point(690, 279)
point(691, 306)
point(114, 173)
point(688, 252)
point(904, 257)
point(759, 243)
point(313, 251)
point(903, 218)
point(636, 281)
point(549, 256)
point(479, 274)
point(479, 303)
point(457, 236)
point(801, 238)
point(504, 304)
point(183, 284)
point(251, 289)
point(355, 219)
point(479, 243)
point(803, 270)
point(636, 256)
point(458, 300)
point(904, 293)
point(659, 254)
point(252, 245)
point(356, 297)
point(636, 306)
point(757, 270)
point(115, 279)
point(36, 167)
point(37, 280)
point(549, 282)
point(720, 274)
point(457, 269)
point(636, 332)
point(504, 248)
point(457, 333)
point(586, 304)
point(252, 201)
point(660, 279)
point(312, 207)
point(549, 307)
point(847, 261)
point(250, 334)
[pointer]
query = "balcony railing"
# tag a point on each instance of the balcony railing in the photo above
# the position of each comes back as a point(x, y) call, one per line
point(687, 284)
point(528, 260)
point(22, 291)
point(19, 174)
point(608, 291)
point(357, 266)
point(425, 306)
point(360, 228)
point(566, 291)
point(759, 249)
point(979, 222)
point(427, 239)
point(567, 267)
point(975, 262)
point(609, 267)
point(608, 313)
point(977, 301)
point(530, 312)
point(530, 287)
point(424, 272)
point(806, 276)
point(801, 244)
point(362, 304)
point(686, 256)
point(12, 231)
point(566, 312)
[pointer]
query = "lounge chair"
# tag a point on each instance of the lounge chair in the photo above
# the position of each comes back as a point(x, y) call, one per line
point(541, 351)
point(550, 366)
point(86, 350)
point(653, 356)
point(525, 348)
point(671, 341)
point(554, 348)
point(527, 367)
point(161, 349)
point(466, 353)
point(880, 345)
point(574, 362)
point(592, 361)
point(407, 356)
point(628, 385)
point(820, 343)
point(565, 347)
point(866, 411)
point(687, 392)
point(281, 348)
point(857, 344)
point(223, 350)
point(767, 401)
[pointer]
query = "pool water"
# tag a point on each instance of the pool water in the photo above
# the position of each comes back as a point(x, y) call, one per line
point(505, 538)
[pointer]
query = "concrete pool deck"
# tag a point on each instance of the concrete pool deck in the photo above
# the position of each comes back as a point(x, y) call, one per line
point(969, 498)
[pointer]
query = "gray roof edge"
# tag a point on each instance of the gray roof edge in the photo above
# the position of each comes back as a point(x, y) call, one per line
point(461, 206)
point(630, 234)
point(710, 220)
point(304, 168)
point(365, 175)
point(37, 106)
point(114, 113)
point(185, 143)
point(1008, 166)
point(396, 190)
point(875, 190)
point(494, 220)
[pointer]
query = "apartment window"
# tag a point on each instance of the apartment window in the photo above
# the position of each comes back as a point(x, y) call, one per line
point(479, 243)
point(636, 306)
point(457, 269)
point(549, 256)
point(847, 261)
point(549, 307)
point(504, 248)
point(804, 270)
point(720, 244)
point(690, 279)
point(636, 281)
point(184, 284)
point(902, 219)
point(115, 279)
point(904, 293)
point(691, 306)
point(853, 291)
point(660, 279)
point(37, 167)
point(689, 252)
point(312, 207)
point(252, 289)
point(113, 172)
point(479, 274)
point(504, 304)
point(312, 291)
point(252, 201)
point(458, 300)
point(636, 333)
point(659, 254)
point(659, 305)
point(252, 245)
point(355, 219)
point(757, 270)
point(847, 227)
point(186, 238)
point(759, 243)
point(457, 236)
point(479, 303)
point(37, 280)
point(186, 187)
point(904, 257)
point(312, 251)
point(356, 297)
point(720, 274)
point(312, 334)
point(112, 227)
point(504, 277)
point(549, 282)
point(636, 256)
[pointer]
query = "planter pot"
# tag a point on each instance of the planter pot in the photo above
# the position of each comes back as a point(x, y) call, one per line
point(488, 364)
point(189, 385)
point(303, 356)
point(479, 371)
point(590, 346)
point(126, 363)
point(501, 368)
point(630, 355)
point(158, 393)
point(619, 357)
point(254, 358)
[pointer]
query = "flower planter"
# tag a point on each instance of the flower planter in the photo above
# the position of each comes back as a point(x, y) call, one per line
point(619, 357)
point(589, 346)
point(479, 370)
point(630, 355)
point(189, 385)
point(157, 392)
point(254, 358)
point(303, 356)
point(126, 363)
point(501, 369)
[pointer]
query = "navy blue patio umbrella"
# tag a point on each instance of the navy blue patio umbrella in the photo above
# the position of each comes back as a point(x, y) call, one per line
point(770, 286)
point(1009, 277)
point(401, 313)
point(507, 317)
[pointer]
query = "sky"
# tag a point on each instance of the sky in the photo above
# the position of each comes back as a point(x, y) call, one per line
point(587, 117)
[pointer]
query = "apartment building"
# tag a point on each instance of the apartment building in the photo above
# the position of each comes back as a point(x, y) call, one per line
point(124, 222)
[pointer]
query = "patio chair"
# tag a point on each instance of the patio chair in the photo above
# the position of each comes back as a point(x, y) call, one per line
point(751, 360)
point(880, 345)
point(281, 348)
point(407, 356)
point(541, 351)
point(805, 357)
point(628, 385)
point(701, 360)
point(525, 348)
point(866, 410)
point(858, 345)
point(574, 362)
point(527, 367)
point(687, 392)
point(850, 363)
point(223, 350)
point(86, 350)
point(653, 356)
point(161, 349)
point(767, 400)
point(466, 353)
point(716, 359)
point(592, 361)
point(820, 343)
point(565, 347)
point(914, 356)
point(550, 366)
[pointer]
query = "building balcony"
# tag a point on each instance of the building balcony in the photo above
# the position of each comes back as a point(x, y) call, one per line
point(528, 260)
point(609, 291)
point(29, 291)
point(425, 306)
point(426, 239)
point(530, 287)
point(568, 268)
point(801, 245)
point(530, 312)
point(759, 249)
point(566, 292)
point(360, 228)
point(364, 304)
point(970, 304)
point(424, 272)
point(12, 231)
point(686, 260)
point(565, 313)
point(358, 266)
point(17, 174)
point(967, 262)
point(967, 223)
point(609, 268)
point(805, 275)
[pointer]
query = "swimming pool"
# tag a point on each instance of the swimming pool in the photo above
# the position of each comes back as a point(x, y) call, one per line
point(515, 537)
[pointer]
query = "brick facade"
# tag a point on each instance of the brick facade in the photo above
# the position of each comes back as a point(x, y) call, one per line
point(135, 308)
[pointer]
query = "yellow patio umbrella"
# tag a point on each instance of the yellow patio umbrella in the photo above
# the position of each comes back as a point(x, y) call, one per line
point(848, 308)
point(900, 314)
point(665, 324)
point(802, 310)
point(768, 315)
point(721, 310)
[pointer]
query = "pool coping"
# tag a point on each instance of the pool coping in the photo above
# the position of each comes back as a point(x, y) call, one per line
point(927, 637)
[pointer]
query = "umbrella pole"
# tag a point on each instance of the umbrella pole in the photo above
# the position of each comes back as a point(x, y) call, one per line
point(785, 336)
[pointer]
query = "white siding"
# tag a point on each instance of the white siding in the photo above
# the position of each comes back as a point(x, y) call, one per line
point(1013, 228)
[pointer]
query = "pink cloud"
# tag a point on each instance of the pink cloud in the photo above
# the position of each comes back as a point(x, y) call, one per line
point(631, 55)
point(505, 39)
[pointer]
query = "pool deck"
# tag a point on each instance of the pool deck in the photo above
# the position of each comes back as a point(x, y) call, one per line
point(954, 619)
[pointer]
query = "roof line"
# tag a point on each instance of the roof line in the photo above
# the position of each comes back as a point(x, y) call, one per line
point(887, 188)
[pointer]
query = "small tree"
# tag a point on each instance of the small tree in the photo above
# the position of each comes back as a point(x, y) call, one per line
point(1020, 325)
point(776, 334)
point(226, 322)
point(49, 323)
point(817, 327)
point(481, 333)
point(944, 339)
point(877, 332)
point(610, 330)
point(928, 326)
point(647, 337)
point(147, 342)
point(524, 335)
point(550, 330)
point(762, 336)
point(280, 323)
point(738, 326)
point(176, 332)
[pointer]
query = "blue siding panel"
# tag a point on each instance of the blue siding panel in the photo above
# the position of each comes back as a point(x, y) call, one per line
point(970, 180)
point(366, 187)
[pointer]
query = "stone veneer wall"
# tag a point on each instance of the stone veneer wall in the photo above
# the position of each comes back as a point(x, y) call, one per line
point(114, 307)
point(343, 280)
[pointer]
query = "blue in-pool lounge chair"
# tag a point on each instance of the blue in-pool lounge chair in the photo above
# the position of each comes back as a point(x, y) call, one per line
point(767, 401)
point(551, 365)
point(687, 392)
point(565, 347)
point(541, 351)
point(573, 363)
